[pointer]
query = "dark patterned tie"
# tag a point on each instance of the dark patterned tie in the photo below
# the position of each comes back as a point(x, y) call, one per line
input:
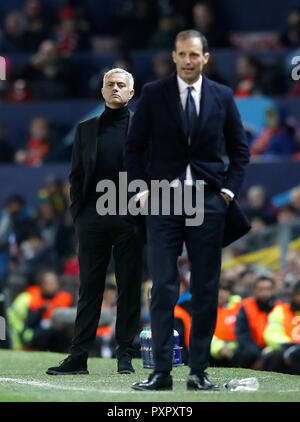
point(190, 111)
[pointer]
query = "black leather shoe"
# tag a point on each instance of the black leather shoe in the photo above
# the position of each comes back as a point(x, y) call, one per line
point(72, 365)
point(125, 365)
point(200, 382)
point(156, 381)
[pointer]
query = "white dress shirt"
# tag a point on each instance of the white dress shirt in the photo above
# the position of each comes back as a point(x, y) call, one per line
point(196, 94)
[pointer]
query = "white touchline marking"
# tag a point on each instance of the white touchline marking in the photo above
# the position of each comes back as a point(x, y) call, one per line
point(56, 386)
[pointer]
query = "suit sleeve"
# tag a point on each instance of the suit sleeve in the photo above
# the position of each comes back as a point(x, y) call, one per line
point(138, 140)
point(236, 147)
point(76, 176)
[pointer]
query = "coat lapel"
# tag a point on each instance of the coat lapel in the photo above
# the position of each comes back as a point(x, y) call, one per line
point(208, 105)
point(131, 113)
point(93, 143)
point(175, 106)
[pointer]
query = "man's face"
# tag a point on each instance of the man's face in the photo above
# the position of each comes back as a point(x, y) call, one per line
point(189, 59)
point(264, 291)
point(50, 284)
point(223, 297)
point(116, 91)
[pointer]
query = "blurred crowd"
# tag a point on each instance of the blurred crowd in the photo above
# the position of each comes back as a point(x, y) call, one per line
point(259, 306)
point(279, 138)
point(50, 42)
point(39, 276)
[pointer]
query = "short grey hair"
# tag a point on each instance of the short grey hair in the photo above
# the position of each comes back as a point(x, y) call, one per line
point(119, 70)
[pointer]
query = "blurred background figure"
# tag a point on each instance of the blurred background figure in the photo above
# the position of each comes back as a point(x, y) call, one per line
point(37, 26)
point(258, 206)
point(282, 334)
point(250, 326)
point(19, 92)
point(249, 74)
point(204, 21)
point(290, 36)
point(136, 21)
point(39, 143)
point(295, 198)
point(30, 316)
point(165, 34)
point(15, 38)
point(56, 54)
point(6, 150)
point(224, 342)
point(277, 138)
point(162, 66)
point(68, 35)
point(49, 75)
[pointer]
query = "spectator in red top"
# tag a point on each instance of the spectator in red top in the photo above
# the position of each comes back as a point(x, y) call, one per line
point(39, 143)
point(69, 36)
point(19, 92)
point(249, 75)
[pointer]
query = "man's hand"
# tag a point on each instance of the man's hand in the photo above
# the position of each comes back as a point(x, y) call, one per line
point(226, 198)
point(226, 352)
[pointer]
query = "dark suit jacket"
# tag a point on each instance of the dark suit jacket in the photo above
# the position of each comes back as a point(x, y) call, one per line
point(158, 126)
point(83, 163)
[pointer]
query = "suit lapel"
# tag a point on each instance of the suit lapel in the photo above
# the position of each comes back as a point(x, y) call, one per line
point(93, 143)
point(129, 121)
point(208, 104)
point(174, 102)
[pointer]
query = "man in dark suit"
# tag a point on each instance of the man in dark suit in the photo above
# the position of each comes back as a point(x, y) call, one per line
point(187, 122)
point(97, 156)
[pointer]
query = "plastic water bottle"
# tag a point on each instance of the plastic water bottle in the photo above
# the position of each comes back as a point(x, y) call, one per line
point(245, 384)
point(143, 345)
point(147, 352)
point(150, 351)
point(177, 350)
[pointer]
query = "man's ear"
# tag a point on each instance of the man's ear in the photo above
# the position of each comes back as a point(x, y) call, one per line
point(174, 56)
point(131, 93)
point(206, 57)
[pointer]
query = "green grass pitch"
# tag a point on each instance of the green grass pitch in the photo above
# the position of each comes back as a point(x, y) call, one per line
point(23, 378)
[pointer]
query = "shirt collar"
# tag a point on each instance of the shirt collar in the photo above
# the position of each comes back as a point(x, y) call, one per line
point(182, 86)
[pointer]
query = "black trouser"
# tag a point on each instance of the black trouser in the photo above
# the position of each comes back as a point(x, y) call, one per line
point(166, 235)
point(98, 237)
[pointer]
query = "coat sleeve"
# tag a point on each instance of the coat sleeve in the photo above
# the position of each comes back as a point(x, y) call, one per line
point(76, 177)
point(138, 140)
point(236, 146)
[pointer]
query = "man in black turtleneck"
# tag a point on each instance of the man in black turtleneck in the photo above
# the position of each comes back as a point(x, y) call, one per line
point(98, 155)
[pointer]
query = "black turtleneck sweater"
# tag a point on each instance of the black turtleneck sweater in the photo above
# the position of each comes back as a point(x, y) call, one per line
point(111, 139)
